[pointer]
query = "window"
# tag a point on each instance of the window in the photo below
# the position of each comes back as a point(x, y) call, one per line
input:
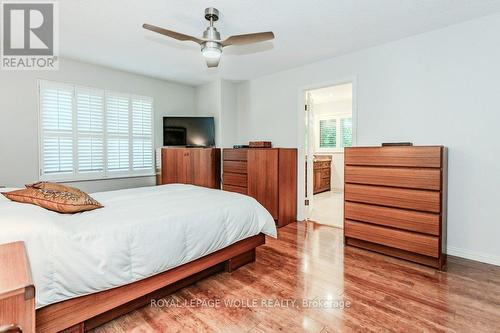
point(90, 131)
point(87, 133)
point(346, 127)
point(117, 116)
point(334, 132)
point(328, 133)
point(57, 129)
point(142, 143)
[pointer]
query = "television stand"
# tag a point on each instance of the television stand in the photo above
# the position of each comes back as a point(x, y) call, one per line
point(190, 165)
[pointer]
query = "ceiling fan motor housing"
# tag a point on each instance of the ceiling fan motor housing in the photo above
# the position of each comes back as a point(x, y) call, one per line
point(211, 34)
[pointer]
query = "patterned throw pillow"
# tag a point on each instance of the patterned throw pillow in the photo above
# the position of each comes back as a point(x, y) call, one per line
point(55, 197)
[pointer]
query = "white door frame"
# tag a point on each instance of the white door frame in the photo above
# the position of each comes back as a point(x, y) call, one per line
point(308, 195)
point(302, 150)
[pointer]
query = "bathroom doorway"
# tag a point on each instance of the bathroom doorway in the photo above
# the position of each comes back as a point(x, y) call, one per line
point(329, 129)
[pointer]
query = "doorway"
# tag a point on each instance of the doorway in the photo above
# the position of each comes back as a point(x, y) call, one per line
point(328, 130)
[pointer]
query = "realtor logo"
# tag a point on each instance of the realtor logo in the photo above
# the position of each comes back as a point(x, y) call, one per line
point(29, 36)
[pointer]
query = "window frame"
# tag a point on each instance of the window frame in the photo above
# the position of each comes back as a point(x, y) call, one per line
point(339, 133)
point(42, 136)
point(76, 175)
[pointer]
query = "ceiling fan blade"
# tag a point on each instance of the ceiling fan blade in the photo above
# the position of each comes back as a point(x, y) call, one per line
point(248, 38)
point(172, 34)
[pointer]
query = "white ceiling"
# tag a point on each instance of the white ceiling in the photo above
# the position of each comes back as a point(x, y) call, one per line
point(109, 32)
point(338, 93)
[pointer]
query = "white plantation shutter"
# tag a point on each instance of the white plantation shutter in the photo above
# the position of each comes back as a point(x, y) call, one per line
point(346, 126)
point(334, 132)
point(90, 130)
point(328, 133)
point(56, 128)
point(118, 132)
point(86, 133)
point(58, 155)
point(142, 133)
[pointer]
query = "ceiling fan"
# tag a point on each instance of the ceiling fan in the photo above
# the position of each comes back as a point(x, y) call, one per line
point(211, 43)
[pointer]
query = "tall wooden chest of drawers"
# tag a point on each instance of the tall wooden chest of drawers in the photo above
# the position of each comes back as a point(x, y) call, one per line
point(395, 201)
point(267, 174)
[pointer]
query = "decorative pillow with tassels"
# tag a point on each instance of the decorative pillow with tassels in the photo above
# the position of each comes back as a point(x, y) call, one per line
point(55, 197)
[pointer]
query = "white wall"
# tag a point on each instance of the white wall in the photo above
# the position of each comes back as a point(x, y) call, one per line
point(229, 114)
point(208, 103)
point(435, 88)
point(19, 115)
point(337, 172)
point(218, 99)
point(334, 107)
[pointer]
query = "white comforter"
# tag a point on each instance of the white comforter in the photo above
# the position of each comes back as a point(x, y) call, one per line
point(139, 233)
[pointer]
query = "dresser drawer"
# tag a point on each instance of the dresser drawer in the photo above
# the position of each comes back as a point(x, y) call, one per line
point(418, 178)
point(237, 189)
point(326, 174)
point(322, 165)
point(234, 154)
point(427, 223)
point(403, 240)
point(419, 157)
point(235, 179)
point(427, 201)
point(234, 166)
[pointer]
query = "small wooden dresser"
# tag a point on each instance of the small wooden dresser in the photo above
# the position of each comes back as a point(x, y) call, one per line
point(196, 166)
point(395, 201)
point(267, 174)
point(322, 169)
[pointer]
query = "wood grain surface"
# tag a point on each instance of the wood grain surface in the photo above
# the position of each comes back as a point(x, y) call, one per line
point(309, 262)
point(418, 157)
point(399, 239)
point(416, 178)
point(420, 200)
point(17, 292)
point(427, 223)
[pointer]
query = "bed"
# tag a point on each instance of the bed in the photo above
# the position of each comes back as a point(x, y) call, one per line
point(140, 235)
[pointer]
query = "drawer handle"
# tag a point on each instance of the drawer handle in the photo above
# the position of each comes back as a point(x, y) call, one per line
point(11, 328)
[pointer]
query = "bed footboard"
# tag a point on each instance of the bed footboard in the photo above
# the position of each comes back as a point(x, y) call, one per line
point(17, 292)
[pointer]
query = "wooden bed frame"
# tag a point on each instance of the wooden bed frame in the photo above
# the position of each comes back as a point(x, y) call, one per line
point(17, 292)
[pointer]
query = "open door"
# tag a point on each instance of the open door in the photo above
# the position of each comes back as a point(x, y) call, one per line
point(309, 119)
point(329, 129)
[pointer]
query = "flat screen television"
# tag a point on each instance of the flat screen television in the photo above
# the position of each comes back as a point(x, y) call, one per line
point(189, 131)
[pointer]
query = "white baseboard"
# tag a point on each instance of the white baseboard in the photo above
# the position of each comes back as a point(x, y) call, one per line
point(473, 255)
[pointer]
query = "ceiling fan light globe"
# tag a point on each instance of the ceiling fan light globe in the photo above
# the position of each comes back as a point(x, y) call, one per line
point(212, 53)
point(211, 50)
point(212, 62)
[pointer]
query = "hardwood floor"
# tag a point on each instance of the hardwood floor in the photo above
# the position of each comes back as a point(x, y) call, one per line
point(308, 265)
